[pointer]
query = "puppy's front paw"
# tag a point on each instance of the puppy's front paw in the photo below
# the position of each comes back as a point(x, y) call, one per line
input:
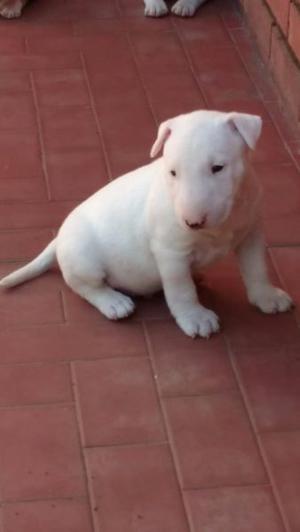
point(184, 8)
point(199, 321)
point(155, 8)
point(11, 9)
point(271, 300)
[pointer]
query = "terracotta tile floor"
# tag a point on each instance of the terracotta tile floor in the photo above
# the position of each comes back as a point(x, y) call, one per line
point(132, 427)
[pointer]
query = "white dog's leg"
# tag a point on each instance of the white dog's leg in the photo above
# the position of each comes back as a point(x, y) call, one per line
point(181, 295)
point(155, 8)
point(261, 293)
point(12, 8)
point(109, 302)
point(186, 8)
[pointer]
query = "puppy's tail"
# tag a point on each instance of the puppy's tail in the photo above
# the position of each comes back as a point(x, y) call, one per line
point(36, 267)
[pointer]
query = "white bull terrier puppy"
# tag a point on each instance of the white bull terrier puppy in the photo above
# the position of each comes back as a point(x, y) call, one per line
point(182, 8)
point(150, 228)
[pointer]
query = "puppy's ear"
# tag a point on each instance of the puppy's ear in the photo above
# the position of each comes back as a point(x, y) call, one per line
point(164, 131)
point(248, 126)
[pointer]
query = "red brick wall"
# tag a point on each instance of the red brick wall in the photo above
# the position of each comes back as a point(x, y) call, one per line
point(276, 25)
point(294, 28)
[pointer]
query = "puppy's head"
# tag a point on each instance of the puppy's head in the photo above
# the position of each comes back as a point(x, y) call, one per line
point(203, 156)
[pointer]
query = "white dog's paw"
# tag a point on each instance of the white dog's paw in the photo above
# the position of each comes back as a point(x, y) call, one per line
point(270, 300)
point(199, 321)
point(12, 11)
point(115, 305)
point(184, 8)
point(155, 8)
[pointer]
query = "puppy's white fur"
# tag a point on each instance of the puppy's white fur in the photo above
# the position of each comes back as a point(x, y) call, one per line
point(11, 8)
point(150, 228)
point(182, 8)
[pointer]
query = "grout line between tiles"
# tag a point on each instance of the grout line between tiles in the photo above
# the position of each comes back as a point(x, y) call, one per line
point(74, 360)
point(8, 502)
point(154, 443)
point(228, 486)
point(287, 430)
point(80, 435)
point(173, 31)
point(171, 443)
point(189, 62)
point(40, 136)
point(224, 391)
point(138, 73)
point(26, 45)
point(63, 305)
point(60, 404)
point(257, 438)
point(96, 118)
point(140, 77)
point(276, 246)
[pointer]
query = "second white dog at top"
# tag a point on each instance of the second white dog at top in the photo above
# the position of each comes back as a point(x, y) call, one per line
point(182, 8)
point(150, 228)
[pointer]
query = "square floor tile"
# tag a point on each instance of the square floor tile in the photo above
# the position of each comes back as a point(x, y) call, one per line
point(240, 509)
point(283, 454)
point(48, 516)
point(135, 488)
point(21, 245)
point(60, 342)
point(69, 127)
point(213, 441)
point(23, 189)
point(118, 402)
point(185, 367)
point(39, 453)
point(20, 154)
point(35, 383)
point(61, 87)
point(17, 112)
point(15, 81)
point(19, 310)
point(272, 381)
point(75, 172)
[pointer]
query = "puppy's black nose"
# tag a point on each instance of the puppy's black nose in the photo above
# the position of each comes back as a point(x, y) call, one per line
point(197, 225)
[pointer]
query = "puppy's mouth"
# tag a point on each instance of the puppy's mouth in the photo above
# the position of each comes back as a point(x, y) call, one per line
point(197, 225)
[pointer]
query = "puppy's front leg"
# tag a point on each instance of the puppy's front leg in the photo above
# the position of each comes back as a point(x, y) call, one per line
point(186, 8)
point(155, 8)
point(181, 295)
point(251, 255)
point(11, 8)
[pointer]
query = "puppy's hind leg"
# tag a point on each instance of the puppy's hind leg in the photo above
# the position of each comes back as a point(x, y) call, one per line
point(82, 271)
point(113, 304)
point(80, 261)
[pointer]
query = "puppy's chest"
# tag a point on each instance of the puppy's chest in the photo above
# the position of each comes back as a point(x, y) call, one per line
point(211, 247)
point(215, 244)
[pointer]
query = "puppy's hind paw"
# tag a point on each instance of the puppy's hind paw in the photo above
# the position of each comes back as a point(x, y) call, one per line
point(115, 305)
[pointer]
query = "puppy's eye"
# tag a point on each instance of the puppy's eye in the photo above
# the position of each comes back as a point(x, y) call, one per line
point(173, 173)
point(217, 168)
